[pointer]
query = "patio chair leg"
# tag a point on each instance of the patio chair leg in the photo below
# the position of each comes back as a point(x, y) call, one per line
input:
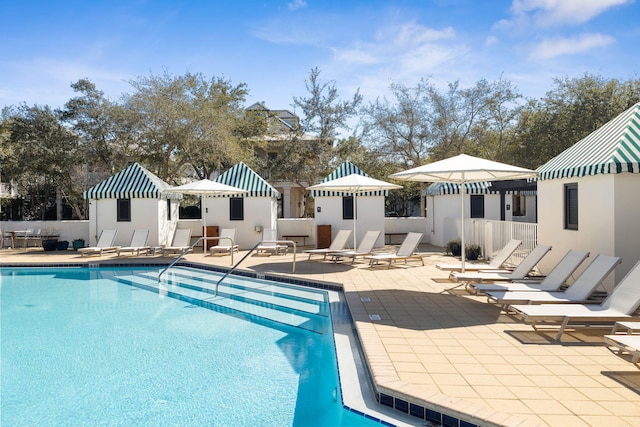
point(565, 322)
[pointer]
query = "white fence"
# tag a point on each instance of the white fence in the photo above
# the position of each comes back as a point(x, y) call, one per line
point(492, 235)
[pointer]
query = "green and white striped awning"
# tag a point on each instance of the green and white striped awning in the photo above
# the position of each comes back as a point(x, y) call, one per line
point(443, 188)
point(242, 176)
point(345, 169)
point(446, 188)
point(133, 182)
point(614, 148)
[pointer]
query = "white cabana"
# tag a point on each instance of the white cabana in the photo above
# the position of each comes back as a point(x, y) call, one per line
point(132, 199)
point(248, 213)
point(588, 194)
point(333, 209)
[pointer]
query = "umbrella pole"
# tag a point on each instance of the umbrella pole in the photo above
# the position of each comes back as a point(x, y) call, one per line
point(203, 201)
point(355, 220)
point(462, 250)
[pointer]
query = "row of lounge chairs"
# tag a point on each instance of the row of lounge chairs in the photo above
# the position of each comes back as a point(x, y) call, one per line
point(337, 252)
point(550, 302)
point(181, 242)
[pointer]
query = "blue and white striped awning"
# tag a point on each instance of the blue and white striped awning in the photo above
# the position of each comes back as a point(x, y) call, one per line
point(345, 169)
point(133, 182)
point(614, 148)
point(242, 176)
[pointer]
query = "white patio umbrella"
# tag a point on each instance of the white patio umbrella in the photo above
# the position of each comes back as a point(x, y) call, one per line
point(463, 169)
point(203, 188)
point(354, 184)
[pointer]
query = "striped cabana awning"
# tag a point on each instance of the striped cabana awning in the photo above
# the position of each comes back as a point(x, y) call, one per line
point(242, 176)
point(345, 169)
point(444, 188)
point(614, 148)
point(133, 182)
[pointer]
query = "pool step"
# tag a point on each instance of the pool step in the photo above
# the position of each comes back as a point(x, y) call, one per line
point(235, 301)
point(253, 283)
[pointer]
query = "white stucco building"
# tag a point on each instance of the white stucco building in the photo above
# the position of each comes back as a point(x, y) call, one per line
point(337, 209)
point(249, 213)
point(132, 199)
point(589, 195)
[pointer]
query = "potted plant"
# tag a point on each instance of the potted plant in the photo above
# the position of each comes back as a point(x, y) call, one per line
point(473, 251)
point(49, 244)
point(77, 244)
point(454, 247)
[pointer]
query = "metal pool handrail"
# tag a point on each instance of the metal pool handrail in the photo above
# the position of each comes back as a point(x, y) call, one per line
point(179, 257)
point(236, 264)
point(248, 253)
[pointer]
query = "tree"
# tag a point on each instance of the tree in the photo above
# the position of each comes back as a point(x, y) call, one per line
point(422, 123)
point(308, 150)
point(474, 120)
point(324, 116)
point(42, 152)
point(572, 110)
point(188, 124)
point(402, 128)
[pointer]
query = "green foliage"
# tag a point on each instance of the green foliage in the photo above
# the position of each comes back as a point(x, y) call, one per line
point(454, 247)
point(472, 251)
point(571, 111)
point(189, 125)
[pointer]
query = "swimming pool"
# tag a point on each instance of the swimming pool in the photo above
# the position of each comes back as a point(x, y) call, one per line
point(108, 346)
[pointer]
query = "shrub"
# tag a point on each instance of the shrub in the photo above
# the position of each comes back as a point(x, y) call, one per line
point(454, 247)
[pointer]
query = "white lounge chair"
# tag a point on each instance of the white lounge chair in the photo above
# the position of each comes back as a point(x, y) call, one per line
point(226, 242)
point(104, 244)
point(497, 262)
point(552, 282)
point(625, 343)
point(405, 252)
point(338, 244)
point(138, 243)
point(181, 242)
point(521, 271)
point(578, 292)
point(269, 243)
point(364, 248)
point(620, 305)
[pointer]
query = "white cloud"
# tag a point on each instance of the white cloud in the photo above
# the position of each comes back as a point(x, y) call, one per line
point(404, 44)
point(559, 12)
point(552, 48)
point(297, 4)
point(417, 34)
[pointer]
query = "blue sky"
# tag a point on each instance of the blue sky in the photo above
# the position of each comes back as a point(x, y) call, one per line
point(271, 45)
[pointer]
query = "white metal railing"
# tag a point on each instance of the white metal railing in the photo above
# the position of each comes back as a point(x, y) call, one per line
point(492, 235)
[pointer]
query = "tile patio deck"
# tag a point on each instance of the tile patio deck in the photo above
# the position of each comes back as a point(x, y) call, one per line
point(429, 342)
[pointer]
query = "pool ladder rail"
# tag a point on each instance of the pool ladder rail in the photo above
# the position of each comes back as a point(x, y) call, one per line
point(235, 266)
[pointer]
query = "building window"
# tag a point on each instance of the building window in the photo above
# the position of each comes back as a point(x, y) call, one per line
point(236, 209)
point(124, 210)
point(168, 210)
point(477, 206)
point(571, 206)
point(347, 207)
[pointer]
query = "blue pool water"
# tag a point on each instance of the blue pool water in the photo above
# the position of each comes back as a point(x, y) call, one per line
point(107, 346)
